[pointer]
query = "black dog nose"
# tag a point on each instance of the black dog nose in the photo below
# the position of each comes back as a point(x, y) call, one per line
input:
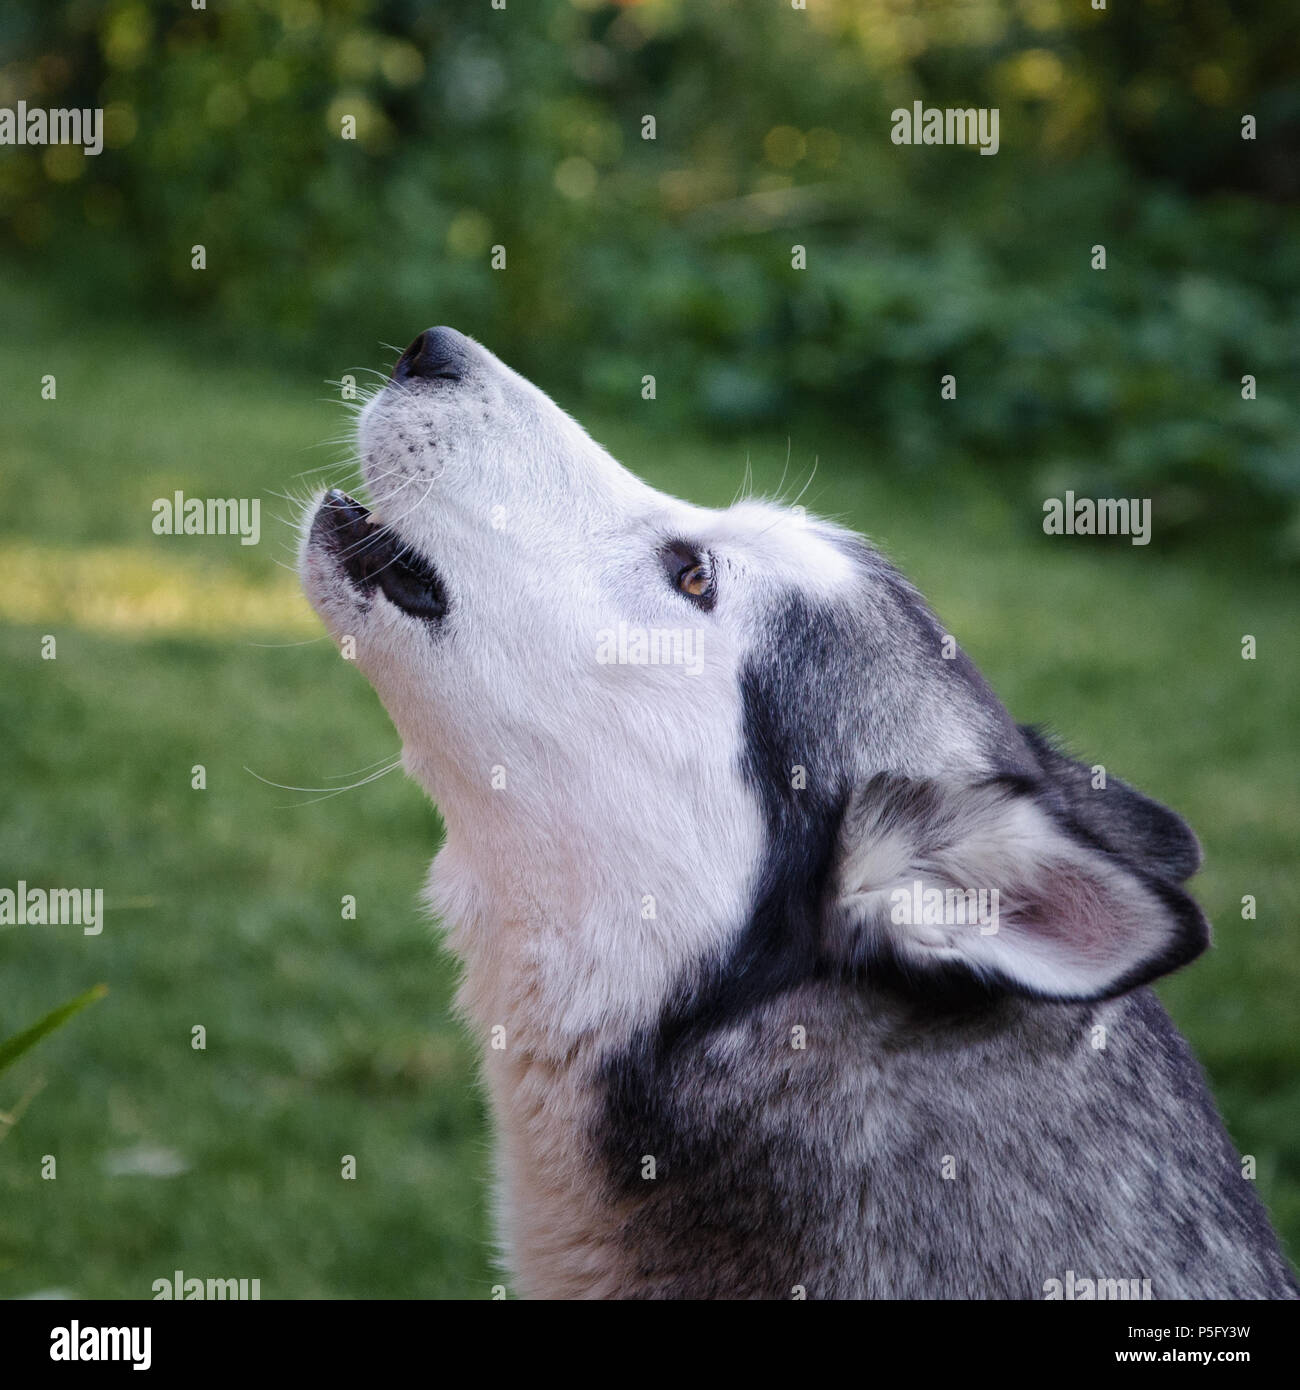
point(437, 354)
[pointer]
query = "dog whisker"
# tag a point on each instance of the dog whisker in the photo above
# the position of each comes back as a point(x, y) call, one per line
point(328, 792)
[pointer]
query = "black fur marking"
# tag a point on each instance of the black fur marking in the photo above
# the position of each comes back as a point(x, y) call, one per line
point(1142, 831)
point(781, 944)
point(781, 947)
point(778, 948)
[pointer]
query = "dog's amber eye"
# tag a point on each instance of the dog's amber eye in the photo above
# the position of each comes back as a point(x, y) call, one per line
point(696, 581)
point(690, 571)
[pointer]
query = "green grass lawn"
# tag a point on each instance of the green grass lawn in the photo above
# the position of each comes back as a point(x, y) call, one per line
point(328, 1037)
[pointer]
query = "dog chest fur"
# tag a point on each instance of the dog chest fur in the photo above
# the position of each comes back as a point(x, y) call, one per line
point(828, 1145)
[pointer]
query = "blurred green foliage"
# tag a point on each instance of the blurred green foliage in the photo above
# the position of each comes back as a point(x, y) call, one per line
point(523, 128)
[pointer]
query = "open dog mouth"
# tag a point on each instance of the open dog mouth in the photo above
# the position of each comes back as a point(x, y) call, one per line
point(373, 556)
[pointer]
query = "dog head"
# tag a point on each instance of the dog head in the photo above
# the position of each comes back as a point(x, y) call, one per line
point(661, 735)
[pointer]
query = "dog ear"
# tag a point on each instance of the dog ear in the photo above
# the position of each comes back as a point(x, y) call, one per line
point(1149, 835)
point(991, 880)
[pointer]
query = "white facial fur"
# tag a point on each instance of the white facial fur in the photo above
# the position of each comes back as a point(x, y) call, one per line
point(600, 834)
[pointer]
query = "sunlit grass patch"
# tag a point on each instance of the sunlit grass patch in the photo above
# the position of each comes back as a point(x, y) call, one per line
point(127, 590)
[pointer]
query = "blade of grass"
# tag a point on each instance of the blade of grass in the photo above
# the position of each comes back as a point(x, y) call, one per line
point(13, 1048)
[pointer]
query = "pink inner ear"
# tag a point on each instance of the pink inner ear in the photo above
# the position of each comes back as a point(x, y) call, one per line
point(1074, 911)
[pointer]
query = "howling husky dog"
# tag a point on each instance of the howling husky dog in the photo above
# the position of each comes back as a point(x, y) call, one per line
point(727, 1055)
